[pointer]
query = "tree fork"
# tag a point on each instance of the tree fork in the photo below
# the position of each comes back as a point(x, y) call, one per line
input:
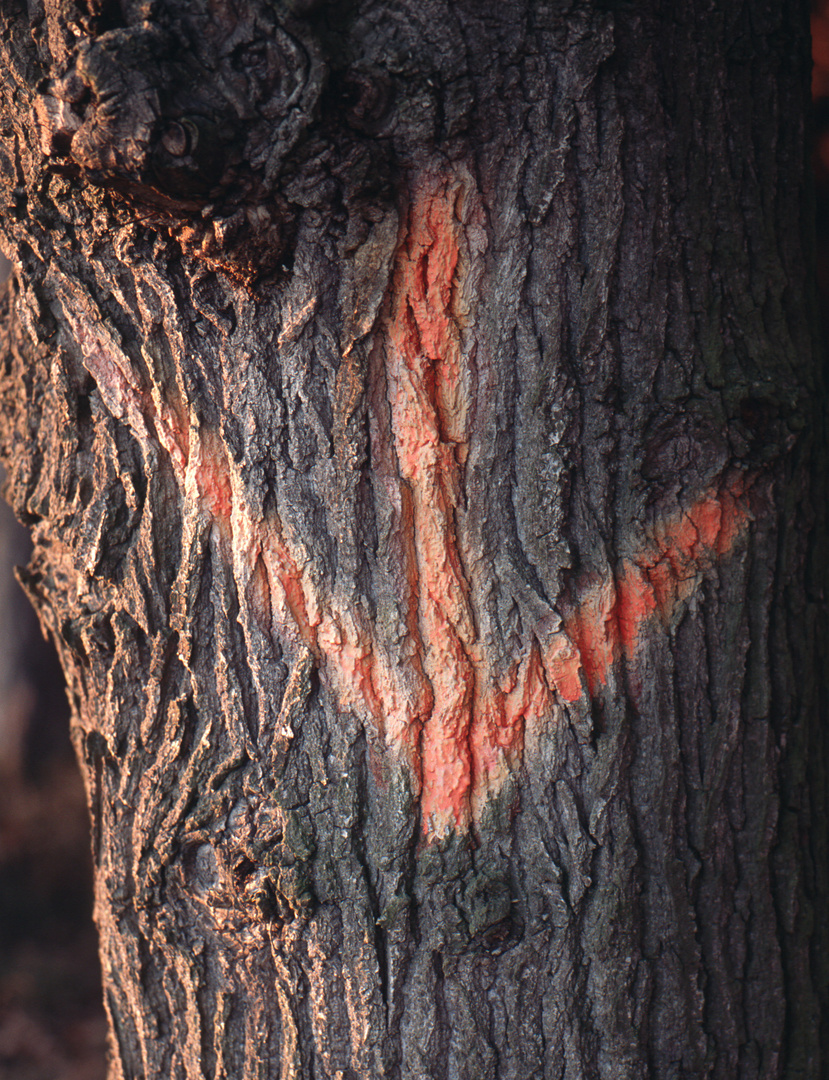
point(416, 408)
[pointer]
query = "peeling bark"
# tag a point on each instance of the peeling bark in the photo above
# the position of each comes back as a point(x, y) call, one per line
point(415, 408)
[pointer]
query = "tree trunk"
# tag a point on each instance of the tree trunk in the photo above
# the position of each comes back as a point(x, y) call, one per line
point(416, 410)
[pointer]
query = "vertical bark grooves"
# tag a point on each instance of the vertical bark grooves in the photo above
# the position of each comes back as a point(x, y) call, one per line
point(415, 407)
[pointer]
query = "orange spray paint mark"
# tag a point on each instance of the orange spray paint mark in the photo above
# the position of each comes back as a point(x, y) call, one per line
point(212, 477)
point(428, 391)
point(439, 707)
point(562, 665)
point(360, 677)
point(474, 725)
point(443, 711)
point(609, 618)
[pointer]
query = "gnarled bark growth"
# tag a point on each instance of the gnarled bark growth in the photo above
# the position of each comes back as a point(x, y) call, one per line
point(414, 406)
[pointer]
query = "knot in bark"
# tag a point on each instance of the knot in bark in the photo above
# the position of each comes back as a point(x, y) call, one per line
point(182, 106)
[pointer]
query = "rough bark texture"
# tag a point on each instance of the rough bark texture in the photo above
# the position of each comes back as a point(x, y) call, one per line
point(415, 408)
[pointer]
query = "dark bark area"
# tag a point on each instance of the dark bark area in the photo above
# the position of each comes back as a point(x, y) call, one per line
point(416, 408)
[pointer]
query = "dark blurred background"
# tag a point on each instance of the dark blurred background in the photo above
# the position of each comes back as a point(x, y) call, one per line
point(51, 1019)
point(52, 1023)
point(820, 159)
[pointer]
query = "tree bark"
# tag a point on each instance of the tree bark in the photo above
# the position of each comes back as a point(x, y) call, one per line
point(416, 408)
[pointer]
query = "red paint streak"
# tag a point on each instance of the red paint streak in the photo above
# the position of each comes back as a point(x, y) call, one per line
point(471, 726)
point(438, 706)
point(562, 666)
point(636, 601)
point(610, 617)
point(358, 673)
point(293, 607)
point(442, 710)
point(212, 476)
point(502, 711)
point(427, 378)
point(593, 629)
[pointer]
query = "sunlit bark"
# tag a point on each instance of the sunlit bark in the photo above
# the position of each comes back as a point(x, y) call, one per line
point(416, 410)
